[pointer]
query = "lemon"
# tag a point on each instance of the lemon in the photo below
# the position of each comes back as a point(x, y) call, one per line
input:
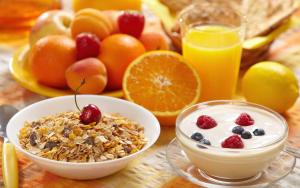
point(272, 85)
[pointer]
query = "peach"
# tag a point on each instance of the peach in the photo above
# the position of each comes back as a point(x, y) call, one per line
point(90, 69)
point(49, 58)
point(154, 41)
point(93, 21)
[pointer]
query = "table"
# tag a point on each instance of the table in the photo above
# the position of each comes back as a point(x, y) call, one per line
point(150, 170)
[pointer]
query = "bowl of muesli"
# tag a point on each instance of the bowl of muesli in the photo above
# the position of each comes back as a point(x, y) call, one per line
point(53, 134)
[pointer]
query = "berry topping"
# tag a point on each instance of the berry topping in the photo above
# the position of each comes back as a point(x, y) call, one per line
point(233, 141)
point(205, 141)
point(259, 132)
point(246, 135)
point(87, 45)
point(131, 23)
point(244, 120)
point(197, 136)
point(238, 130)
point(90, 113)
point(206, 122)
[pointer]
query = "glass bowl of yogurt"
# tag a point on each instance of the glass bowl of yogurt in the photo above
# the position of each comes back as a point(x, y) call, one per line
point(231, 140)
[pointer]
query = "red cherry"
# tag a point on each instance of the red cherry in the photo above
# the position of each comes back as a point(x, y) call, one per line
point(131, 23)
point(87, 45)
point(89, 114)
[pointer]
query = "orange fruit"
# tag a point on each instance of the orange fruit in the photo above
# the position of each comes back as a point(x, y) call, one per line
point(90, 69)
point(117, 52)
point(50, 57)
point(161, 82)
point(154, 41)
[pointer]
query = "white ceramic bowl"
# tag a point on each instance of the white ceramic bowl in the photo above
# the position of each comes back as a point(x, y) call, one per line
point(107, 105)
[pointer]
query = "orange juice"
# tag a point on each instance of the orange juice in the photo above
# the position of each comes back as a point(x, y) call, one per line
point(215, 52)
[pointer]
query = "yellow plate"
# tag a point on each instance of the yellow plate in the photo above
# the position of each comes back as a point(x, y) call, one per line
point(20, 71)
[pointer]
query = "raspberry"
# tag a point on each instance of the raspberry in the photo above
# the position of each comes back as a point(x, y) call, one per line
point(244, 120)
point(206, 122)
point(87, 45)
point(233, 142)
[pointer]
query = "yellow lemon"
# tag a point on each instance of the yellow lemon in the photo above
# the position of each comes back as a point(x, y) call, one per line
point(272, 85)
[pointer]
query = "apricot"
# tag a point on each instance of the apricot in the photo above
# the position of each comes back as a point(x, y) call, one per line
point(90, 69)
point(93, 21)
point(113, 15)
point(117, 52)
point(154, 41)
point(50, 57)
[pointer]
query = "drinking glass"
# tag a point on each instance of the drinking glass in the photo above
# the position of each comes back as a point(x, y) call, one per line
point(212, 34)
point(18, 16)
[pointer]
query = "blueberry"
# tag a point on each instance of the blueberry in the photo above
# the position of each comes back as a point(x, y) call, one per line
point(238, 130)
point(205, 141)
point(197, 136)
point(259, 132)
point(246, 135)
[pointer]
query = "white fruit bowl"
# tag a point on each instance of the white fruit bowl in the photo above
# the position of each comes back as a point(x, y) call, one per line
point(62, 104)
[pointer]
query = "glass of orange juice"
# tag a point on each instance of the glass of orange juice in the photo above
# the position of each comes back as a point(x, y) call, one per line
point(212, 34)
point(18, 16)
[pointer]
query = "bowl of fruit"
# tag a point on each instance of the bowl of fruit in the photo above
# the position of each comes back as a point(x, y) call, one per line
point(94, 135)
point(94, 45)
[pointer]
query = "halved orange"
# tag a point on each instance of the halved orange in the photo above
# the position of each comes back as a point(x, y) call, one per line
point(161, 82)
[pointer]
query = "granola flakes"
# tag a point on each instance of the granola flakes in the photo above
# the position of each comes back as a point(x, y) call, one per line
point(63, 137)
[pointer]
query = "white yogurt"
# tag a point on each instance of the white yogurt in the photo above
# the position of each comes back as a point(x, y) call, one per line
point(226, 163)
point(225, 115)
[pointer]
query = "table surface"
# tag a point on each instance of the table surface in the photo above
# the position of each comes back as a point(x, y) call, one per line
point(151, 170)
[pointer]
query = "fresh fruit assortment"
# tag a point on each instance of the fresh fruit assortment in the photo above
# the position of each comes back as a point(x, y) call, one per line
point(233, 141)
point(93, 45)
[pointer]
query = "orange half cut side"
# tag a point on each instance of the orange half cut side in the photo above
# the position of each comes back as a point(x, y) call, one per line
point(161, 82)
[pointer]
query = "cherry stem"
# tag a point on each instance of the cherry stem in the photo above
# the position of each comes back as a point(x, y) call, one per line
point(76, 92)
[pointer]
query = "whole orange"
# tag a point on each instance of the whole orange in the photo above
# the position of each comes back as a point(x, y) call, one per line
point(90, 69)
point(50, 57)
point(117, 52)
point(154, 41)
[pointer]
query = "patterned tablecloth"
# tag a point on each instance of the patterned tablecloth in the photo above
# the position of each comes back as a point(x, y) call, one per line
point(150, 170)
